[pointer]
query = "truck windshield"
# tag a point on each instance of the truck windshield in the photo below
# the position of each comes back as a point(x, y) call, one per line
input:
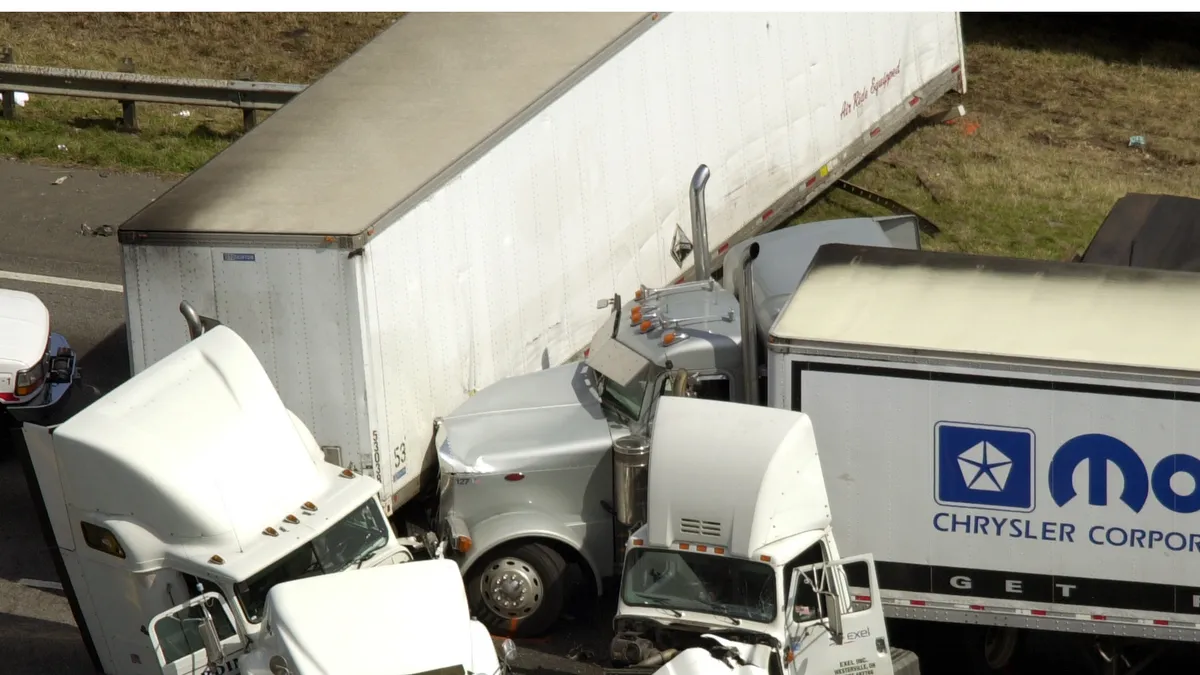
point(626, 399)
point(699, 582)
point(349, 542)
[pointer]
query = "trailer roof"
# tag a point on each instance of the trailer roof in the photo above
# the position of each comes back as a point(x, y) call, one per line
point(974, 305)
point(388, 125)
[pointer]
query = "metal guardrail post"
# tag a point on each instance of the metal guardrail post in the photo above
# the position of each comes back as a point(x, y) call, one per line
point(129, 120)
point(249, 115)
point(8, 99)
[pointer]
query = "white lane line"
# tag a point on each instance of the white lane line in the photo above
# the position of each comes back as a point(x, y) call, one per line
point(61, 281)
point(34, 583)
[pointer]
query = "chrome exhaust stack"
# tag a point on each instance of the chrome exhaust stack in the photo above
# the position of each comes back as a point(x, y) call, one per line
point(197, 325)
point(631, 476)
point(703, 261)
point(631, 471)
point(749, 325)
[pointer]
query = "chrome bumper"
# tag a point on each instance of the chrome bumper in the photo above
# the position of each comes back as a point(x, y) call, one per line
point(62, 372)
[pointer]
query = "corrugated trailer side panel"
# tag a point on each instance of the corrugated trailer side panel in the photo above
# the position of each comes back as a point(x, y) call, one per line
point(1045, 501)
point(288, 304)
point(585, 197)
point(498, 272)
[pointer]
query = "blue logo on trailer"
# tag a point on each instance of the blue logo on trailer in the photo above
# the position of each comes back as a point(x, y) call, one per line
point(1099, 450)
point(980, 466)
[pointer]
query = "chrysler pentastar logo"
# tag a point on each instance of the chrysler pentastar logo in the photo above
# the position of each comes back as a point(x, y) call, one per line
point(984, 467)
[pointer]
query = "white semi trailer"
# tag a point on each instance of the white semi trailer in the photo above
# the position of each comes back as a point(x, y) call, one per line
point(441, 210)
point(1013, 440)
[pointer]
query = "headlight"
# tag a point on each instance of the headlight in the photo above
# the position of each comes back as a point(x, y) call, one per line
point(279, 666)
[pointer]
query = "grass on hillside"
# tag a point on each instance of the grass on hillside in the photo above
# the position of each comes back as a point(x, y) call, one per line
point(1031, 171)
point(1043, 152)
point(270, 47)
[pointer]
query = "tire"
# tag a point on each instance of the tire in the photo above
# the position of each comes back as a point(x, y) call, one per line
point(993, 649)
point(533, 599)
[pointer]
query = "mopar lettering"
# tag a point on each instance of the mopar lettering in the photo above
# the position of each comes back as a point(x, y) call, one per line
point(1098, 450)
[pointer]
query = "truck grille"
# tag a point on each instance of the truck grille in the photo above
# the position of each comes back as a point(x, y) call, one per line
point(706, 528)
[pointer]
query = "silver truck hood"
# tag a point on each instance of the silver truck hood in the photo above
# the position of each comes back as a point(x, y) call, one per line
point(551, 419)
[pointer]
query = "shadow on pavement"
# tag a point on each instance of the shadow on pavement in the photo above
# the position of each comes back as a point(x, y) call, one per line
point(104, 366)
point(23, 553)
point(37, 647)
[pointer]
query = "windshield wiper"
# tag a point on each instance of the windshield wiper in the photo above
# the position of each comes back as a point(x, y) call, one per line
point(366, 555)
point(718, 607)
point(662, 598)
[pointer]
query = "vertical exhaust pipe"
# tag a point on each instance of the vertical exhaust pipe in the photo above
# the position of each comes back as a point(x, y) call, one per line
point(749, 320)
point(197, 325)
point(700, 224)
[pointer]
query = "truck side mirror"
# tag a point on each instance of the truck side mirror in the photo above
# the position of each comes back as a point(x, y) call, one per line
point(833, 615)
point(509, 649)
point(508, 652)
point(793, 588)
point(212, 643)
point(175, 631)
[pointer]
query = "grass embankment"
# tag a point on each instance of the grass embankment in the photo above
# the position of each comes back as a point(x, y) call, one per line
point(267, 47)
point(1043, 152)
point(1031, 171)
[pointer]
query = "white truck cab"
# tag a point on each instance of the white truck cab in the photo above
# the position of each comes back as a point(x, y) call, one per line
point(37, 367)
point(735, 549)
point(193, 478)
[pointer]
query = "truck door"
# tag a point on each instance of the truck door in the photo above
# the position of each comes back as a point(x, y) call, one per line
point(45, 486)
point(830, 631)
point(178, 637)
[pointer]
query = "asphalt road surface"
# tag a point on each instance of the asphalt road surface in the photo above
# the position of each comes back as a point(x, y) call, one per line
point(53, 243)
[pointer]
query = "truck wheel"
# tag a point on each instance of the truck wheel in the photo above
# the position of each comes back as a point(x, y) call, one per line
point(517, 590)
point(994, 648)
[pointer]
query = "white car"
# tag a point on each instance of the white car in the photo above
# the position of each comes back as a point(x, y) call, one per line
point(37, 367)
